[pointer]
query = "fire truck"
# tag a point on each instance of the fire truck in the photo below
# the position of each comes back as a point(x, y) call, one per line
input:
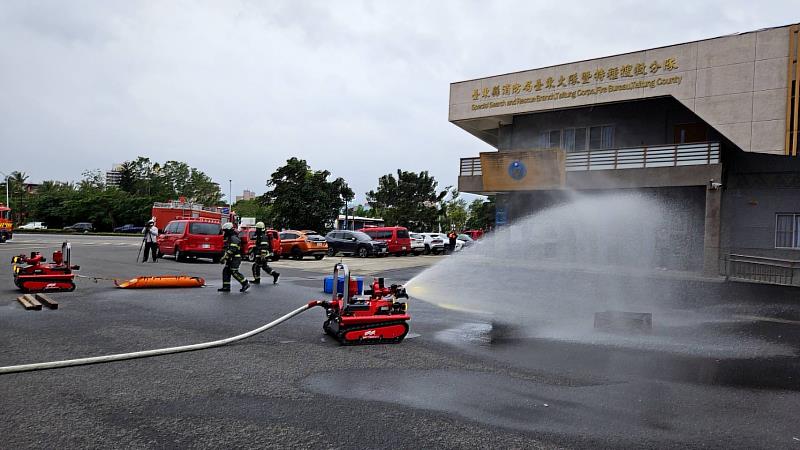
point(165, 212)
point(6, 225)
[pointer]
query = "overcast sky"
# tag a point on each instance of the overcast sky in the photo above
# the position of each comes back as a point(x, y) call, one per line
point(235, 88)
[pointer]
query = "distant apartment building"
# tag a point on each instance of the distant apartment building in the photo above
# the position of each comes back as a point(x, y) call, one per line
point(114, 176)
point(246, 195)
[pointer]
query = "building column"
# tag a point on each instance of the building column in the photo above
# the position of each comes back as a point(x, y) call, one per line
point(711, 236)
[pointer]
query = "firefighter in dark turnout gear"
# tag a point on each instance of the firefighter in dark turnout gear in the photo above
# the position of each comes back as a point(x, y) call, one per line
point(232, 258)
point(262, 251)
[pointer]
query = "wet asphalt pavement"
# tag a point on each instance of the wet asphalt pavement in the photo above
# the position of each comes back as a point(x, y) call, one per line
point(454, 383)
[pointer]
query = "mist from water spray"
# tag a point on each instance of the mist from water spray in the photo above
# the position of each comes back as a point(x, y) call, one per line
point(550, 272)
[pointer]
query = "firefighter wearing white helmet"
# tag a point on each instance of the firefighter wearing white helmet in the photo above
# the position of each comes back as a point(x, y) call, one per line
point(263, 250)
point(232, 258)
point(150, 240)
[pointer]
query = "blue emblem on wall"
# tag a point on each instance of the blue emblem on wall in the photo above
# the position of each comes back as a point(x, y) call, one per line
point(517, 170)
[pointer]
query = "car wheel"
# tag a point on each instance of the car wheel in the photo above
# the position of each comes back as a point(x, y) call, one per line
point(216, 259)
point(412, 253)
point(331, 251)
point(363, 252)
point(275, 257)
point(251, 255)
point(180, 255)
point(427, 249)
point(319, 257)
point(159, 255)
point(297, 254)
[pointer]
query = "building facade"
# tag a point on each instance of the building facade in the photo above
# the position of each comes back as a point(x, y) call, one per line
point(712, 124)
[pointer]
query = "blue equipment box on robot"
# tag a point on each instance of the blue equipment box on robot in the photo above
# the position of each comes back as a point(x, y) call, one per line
point(327, 286)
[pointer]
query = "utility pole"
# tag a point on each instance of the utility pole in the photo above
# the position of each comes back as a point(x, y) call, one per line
point(230, 199)
point(7, 183)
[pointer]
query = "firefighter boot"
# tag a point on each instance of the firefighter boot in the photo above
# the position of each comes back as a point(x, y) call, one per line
point(275, 276)
point(245, 286)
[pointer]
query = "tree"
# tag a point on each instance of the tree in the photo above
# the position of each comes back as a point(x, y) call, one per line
point(410, 200)
point(362, 211)
point(481, 214)
point(304, 199)
point(252, 208)
point(456, 211)
point(171, 180)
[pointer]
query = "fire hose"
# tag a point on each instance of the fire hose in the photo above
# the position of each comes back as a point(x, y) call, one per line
point(155, 352)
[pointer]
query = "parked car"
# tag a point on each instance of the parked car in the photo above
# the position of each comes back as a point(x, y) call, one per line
point(191, 238)
point(33, 226)
point(466, 240)
point(248, 236)
point(83, 227)
point(434, 243)
point(129, 228)
point(354, 243)
point(296, 244)
point(397, 239)
point(417, 244)
point(474, 234)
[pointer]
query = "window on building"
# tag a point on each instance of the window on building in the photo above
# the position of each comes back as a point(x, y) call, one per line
point(787, 230)
point(575, 139)
point(550, 139)
point(601, 137)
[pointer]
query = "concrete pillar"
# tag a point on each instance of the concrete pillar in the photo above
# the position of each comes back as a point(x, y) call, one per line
point(711, 236)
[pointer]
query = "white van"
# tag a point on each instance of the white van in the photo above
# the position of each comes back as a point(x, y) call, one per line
point(33, 226)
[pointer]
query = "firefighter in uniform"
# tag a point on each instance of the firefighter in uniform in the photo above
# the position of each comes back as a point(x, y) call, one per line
point(232, 258)
point(263, 250)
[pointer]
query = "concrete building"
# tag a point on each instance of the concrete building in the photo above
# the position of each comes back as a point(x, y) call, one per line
point(246, 195)
point(712, 124)
point(114, 176)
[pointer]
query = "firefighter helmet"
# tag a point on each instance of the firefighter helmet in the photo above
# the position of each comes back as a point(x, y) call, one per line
point(260, 226)
point(227, 226)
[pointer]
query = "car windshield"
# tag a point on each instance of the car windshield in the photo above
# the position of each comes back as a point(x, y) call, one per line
point(417, 236)
point(203, 228)
point(402, 234)
point(464, 237)
point(314, 237)
point(361, 236)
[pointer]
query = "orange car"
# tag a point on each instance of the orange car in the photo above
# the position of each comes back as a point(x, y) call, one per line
point(297, 244)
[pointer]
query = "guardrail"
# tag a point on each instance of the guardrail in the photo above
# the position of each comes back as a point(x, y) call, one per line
point(759, 269)
point(643, 157)
point(626, 158)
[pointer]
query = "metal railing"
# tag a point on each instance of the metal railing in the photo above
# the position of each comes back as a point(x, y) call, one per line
point(759, 269)
point(470, 167)
point(186, 206)
point(627, 158)
point(643, 157)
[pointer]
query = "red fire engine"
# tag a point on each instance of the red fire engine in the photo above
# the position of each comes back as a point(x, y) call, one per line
point(6, 226)
point(164, 213)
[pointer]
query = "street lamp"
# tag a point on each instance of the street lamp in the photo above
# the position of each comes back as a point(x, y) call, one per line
point(230, 199)
point(7, 183)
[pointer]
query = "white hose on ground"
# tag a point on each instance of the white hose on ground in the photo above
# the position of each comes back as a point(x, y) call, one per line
point(156, 352)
